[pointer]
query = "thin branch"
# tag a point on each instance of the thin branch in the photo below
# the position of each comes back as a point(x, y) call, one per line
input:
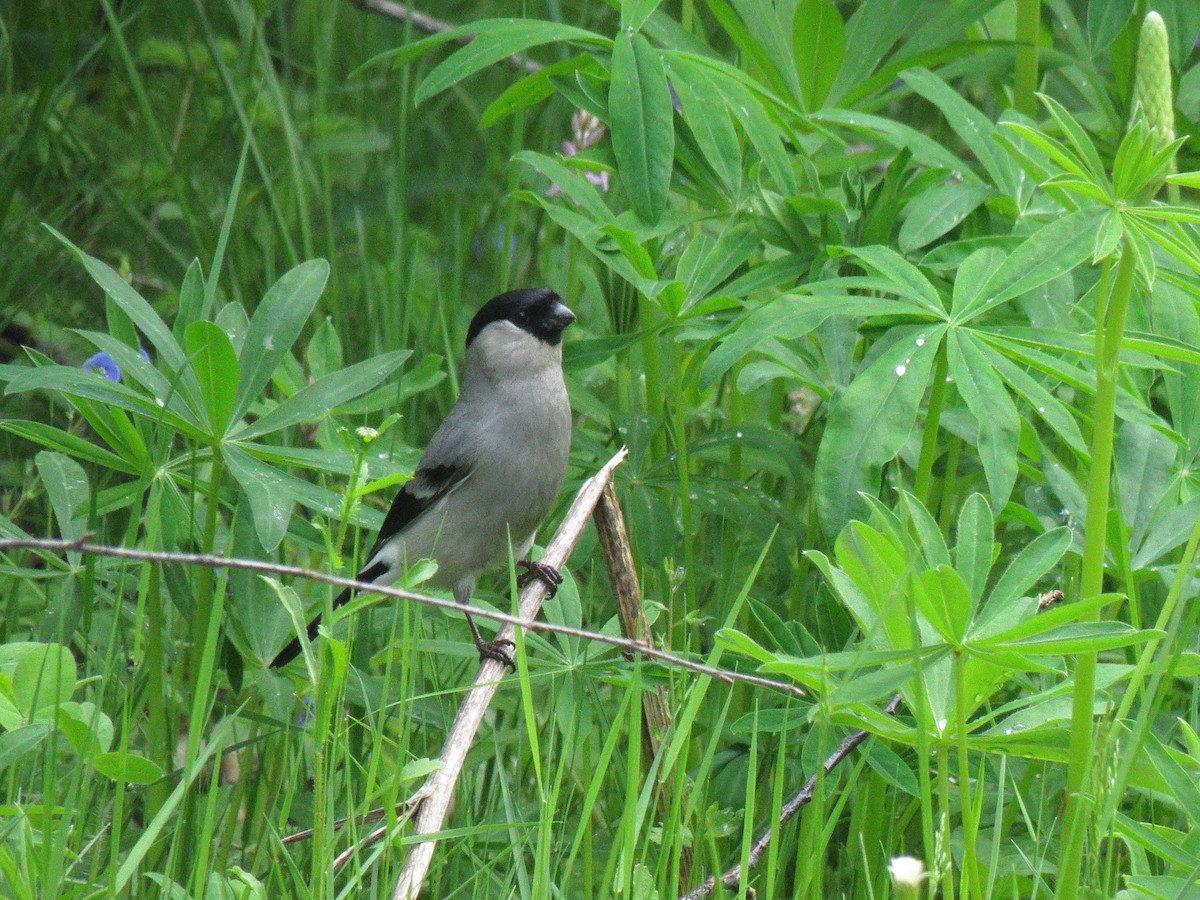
point(433, 797)
point(731, 877)
point(425, 22)
point(82, 545)
point(656, 715)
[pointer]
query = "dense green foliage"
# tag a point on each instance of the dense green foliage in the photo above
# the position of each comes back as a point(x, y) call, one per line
point(898, 348)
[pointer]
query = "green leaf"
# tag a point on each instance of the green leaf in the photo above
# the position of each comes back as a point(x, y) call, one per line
point(216, 366)
point(643, 134)
point(325, 394)
point(67, 487)
point(929, 535)
point(1077, 637)
point(634, 13)
point(973, 274)
point(925, 150)
point(276, 324)
point(269, 493)
point(932, 213)
point(45, 676)
point(703, 268)
point(132, 304)
point(16, 743)
point(496, 39)
point(66, 442)
point(192, 307)
point(1105, 21)
point(1046, 405)
point(909, 281)
point(818, 42)
point(1036, 558)
point(126, 767)
point(1052, 250)
point(973, 549)
point(975, 129)
point(944, 599)
point(74, 382)
point(572, 183)
point(789, 317)
point(870, 422)
point(992, 408)
point(708, 118)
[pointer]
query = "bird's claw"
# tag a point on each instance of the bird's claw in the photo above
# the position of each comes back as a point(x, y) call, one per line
point(495, 650)
point(547, 575)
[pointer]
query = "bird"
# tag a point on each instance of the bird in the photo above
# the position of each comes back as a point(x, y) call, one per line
point(493, 468)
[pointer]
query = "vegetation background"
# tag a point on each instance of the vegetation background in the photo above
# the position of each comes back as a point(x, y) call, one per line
point(896, 346)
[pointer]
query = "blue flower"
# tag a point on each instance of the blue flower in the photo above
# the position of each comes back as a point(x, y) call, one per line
point(308, 708)
point(105, 365)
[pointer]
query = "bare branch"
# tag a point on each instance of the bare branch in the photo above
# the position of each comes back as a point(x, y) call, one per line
point(82, 545)
point(426, 22)
point(656, 716)
point(433, 797)
point(731, 877)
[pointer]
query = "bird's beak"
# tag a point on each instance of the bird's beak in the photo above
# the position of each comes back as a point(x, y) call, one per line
point(561, 316)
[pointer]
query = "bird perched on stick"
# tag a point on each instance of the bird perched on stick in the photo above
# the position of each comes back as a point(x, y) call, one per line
point(493, 468)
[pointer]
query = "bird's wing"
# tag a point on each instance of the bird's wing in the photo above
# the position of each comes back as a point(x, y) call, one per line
point(428, 485)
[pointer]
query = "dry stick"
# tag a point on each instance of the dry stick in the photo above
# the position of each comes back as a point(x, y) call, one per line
point(433, 797)
point(731, 877)
point(82, 545)
point(656, 717)
point(426, 22)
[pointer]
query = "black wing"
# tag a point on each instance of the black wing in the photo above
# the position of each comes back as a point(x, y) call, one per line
point(428, 485)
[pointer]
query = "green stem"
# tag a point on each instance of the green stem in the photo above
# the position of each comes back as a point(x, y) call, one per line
point(1025, 74)
point(970, 876)
point(937, 398)
point(943, 764)
point(204, 579)
point(1110, 327)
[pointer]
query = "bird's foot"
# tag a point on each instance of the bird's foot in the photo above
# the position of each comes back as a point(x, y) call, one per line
point(495, 650)
point(547, 575)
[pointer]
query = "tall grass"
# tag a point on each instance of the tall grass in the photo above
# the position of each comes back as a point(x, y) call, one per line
point(875, 344)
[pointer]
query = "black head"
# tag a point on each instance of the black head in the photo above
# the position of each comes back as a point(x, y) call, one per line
point(539, 311)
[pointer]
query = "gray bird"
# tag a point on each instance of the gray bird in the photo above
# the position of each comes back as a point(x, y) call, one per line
point(493, 468)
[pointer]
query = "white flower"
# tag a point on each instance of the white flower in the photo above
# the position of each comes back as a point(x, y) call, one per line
point(907, 873)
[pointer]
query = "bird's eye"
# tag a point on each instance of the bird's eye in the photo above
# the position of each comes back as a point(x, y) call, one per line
point(523, 316)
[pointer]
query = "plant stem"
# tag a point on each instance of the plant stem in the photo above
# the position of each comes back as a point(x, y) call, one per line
point(937, 398)
point(204, 580)
point(1110, 326)
point(970, 875)
point(1025, 73)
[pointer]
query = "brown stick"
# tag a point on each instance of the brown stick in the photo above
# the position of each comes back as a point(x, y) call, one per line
point(731, 877)
point(433, 797)
point(656, 716)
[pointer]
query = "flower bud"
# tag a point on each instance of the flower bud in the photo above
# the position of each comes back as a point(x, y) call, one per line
point(1152, 81)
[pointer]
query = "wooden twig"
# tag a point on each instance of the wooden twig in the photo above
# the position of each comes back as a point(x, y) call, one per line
point(656, 716)
point(731, 877)
point(216, 561)
point(402, 13)
point(433, 797)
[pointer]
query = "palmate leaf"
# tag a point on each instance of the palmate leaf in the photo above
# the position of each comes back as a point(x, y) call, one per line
point(871, 421)
point(991, 407)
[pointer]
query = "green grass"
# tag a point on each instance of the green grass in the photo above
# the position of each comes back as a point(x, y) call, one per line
point(891, 360)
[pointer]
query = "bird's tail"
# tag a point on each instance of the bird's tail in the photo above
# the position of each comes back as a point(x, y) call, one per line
point(292, 650)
